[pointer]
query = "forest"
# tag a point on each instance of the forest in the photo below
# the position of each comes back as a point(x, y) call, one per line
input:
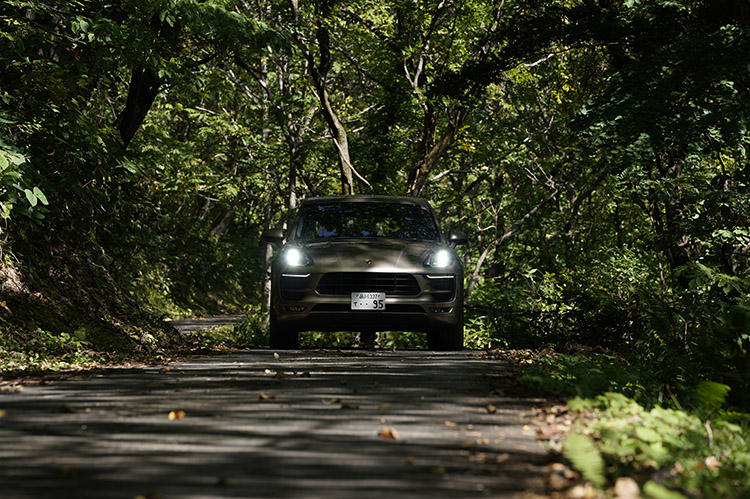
point(594, 151)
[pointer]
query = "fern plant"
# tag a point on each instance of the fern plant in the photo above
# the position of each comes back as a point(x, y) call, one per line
point(585, 457)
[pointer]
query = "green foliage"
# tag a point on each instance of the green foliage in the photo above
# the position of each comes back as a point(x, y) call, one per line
point(250, 333)
point(709, 458)
point(591, 374)
point(658, 491)
point(595, 153)
point(27, 201)
point(478, 332)
point(43, 350)
point(711, 396)
point(401, 340)
point(314, 339)
point(581, 451)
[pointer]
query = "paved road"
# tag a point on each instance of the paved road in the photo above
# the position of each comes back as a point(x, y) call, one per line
point(192, 325)
point(108, 434)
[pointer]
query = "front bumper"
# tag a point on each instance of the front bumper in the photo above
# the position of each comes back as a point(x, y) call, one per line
point(297, 303)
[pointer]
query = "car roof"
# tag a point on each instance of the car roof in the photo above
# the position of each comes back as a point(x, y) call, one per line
point(368, 198)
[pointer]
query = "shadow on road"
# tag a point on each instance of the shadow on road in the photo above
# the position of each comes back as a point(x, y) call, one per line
point(312, 432)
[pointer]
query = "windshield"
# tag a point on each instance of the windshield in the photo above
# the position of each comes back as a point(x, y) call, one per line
point(362, 219)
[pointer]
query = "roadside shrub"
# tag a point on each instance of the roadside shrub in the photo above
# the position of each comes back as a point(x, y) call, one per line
point(591, 374)
point(251, 333)
point(668, 447)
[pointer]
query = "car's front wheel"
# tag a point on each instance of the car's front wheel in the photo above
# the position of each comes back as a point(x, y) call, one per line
point(281, 336)
point(446, 337)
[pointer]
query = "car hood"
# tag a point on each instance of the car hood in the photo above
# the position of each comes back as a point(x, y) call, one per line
point(354, 255)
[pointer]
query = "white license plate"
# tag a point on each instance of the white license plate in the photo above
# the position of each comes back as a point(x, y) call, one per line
point(368, 301)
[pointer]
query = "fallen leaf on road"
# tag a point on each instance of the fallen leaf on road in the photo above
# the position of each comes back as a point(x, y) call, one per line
point(2, 413)
point(176, 415)
point(389, 433)
point(558, 482)
point(383, 407)
point(501, 458)
point(265, 396)
point(349, 406)
point(526, 427)
point(267, 371)
point(451, 423)
point(409, 460)
point(467, 443)
point(491, 409)
point(334, 400)
point(276, 355)
point(66, 409)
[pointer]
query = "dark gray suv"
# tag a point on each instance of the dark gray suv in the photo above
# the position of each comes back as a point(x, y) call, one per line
point(366, 263)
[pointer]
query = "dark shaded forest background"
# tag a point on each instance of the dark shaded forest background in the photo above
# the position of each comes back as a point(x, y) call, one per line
point(595, 152)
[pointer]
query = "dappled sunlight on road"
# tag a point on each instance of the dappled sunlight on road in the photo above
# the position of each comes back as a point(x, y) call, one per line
point(303, 424)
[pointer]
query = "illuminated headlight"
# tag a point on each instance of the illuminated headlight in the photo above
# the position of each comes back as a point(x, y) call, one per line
point(440, 259)
point(295, 257)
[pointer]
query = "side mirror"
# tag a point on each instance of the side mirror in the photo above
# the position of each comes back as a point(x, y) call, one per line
point(457, 237)
point(273, 236)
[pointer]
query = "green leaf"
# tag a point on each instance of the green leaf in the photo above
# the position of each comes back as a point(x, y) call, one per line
point(656, 491)
point(3, 162)
point(647, 434)
point(5, 210)
point(40, 195)
point(31, 197)
point(586, 458)
point(711, 395)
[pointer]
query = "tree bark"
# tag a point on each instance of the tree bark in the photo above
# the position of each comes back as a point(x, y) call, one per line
point(143, 89)
point(319, 75)
point(422, 167)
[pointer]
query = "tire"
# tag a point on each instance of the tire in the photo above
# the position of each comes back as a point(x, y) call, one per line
point(447, 337)
point(282, 337)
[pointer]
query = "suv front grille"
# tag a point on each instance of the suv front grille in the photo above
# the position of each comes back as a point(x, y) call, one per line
point(344, 283)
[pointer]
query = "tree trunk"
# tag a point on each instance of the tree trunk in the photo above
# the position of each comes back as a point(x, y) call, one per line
point(319, 75)
point(267, 210)
point(340, 140)
point(423, 166)
point(144, 86)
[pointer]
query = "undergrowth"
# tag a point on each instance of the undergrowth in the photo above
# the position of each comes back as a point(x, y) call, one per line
point(684, 444)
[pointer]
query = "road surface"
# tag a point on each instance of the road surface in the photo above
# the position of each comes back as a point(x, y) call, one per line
point(191, 325)
point(266, 424)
